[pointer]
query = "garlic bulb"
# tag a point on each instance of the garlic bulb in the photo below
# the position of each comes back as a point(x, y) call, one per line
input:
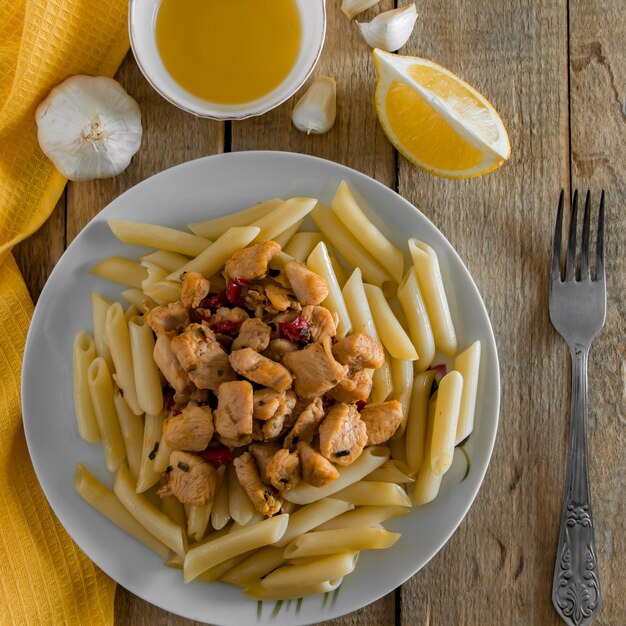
point(89, 127)
point(353, 7)
point(315, 112)
point(390, 30)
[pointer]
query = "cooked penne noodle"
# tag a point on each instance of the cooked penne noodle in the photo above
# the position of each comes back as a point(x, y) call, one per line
point(84, 352)
point(284, 238)
point(317, 571)
point(131, 311)
point(118, 340)
point(371, 458)
point(255, 519)
point(106, 503)
point(209, 554)
point(391, 471)
point(156, 274)
point(347, 209)
point(364, 517)
point(220, 513)
point(153, 520)
point(302, 244)
point(434, 294)
point(217, 571)
point(131, 426)
point(164, 292)
point(323, 542)
point(370, 493)
point(341, 272)
point(397, 449)
point(162, 457)
point(101, 390)
point(239, 504)
point(427, 483)
point(99, 306)
point(255, 566)
point(279, 261)
point(468, 365)
point(146, 373)
point(420, 330)
point(358, 308)
point(155, 236)
point(390, 331)
point(445, 422)
point(290, 591)
point(402, 378)
point(348, 246)
point(170, 261)
point(174, 509)
point(311, 516)
point(215, 256)
point(198, 520)
point(216, 227)
point(418, 418)
point(152, 432)
point(120, 270)
point(319, 262)
point(139, 299)
point(282, 217)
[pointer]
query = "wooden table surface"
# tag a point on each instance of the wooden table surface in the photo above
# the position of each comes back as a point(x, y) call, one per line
point(556, 72)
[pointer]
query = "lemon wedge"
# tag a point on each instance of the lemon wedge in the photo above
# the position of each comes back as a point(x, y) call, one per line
point(436, 120)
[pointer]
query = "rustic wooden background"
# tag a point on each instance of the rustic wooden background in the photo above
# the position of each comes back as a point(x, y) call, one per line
point(556, 72)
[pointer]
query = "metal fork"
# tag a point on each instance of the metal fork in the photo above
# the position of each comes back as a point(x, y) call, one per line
point(577, 311)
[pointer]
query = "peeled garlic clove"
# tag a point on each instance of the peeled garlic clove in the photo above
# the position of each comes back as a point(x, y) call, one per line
point(89, 127)
point(315, 112)
point(390, 30)
point(353, 7)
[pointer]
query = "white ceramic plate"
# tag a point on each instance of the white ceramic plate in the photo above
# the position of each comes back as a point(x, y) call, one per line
point(190, 192)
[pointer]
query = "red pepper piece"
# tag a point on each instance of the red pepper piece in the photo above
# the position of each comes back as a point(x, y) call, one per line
point(234, 291)
point(214, 301)
point(360, 404)
point(219, 455)
point(297, 331)
point(226, 328)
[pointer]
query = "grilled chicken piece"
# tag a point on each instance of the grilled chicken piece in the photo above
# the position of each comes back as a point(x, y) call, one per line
point(359, 351)
point(170, 366)
point(356, 386)
point(316, 470)
point(381, 420)
point(309, 287)
point(202, 357)
point(227, 316)
point(273, 427)
point(278, 348)
point(195, 288)
point(267, 402)
point(251, 263)
point(343, 434)
point(278, 296)
point(263, 453)
point(192, 480)
point(265, 500)
point(254, 334)
point(306, 425)
point(191, 429)
point(315, 369)
point(170, 318)
point(233, 416)
point(283, 470)
point(260, 369)
point(323, 322)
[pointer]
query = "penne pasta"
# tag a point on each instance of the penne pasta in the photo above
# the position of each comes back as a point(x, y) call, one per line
point(198, 520)
point(131, 426)
point(445, 422)
point(347, 209)
point(99, 306)
point(316, 571)
point(341, 272)
point(152, 431)
point(131, 311)
point(217, 571)
point(427, 483)
point(468, 365)
point(319, 262)
point(370, 493)
point(283, 238)
point(174, 509)
point(358, 307)
point(139, 299)
point(291, 591)
point(255, 566)
point(84, 352)
point(391, 471)
point(431, 286)
point(120, 270)
point(418, 418)
point(164, 292)
point(397, 448)
point(162, 457)
point(364, 516)
point(170, 261)
point(282, 217)
point(402, 379)
point(156, 274)
point(220, 513)
point(101, 391)
point(146, 373)
point(301, 245)
point(239, 504)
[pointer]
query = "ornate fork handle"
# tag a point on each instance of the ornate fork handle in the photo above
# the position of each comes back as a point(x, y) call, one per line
point(576, 592)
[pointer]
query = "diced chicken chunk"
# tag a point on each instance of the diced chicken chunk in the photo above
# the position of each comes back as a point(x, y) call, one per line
point(356, 386)
point(309, 287)
point(202, 357)
point(359, 351)
point(192, 480)
point(273, 427)
point(251, 263)
point(381, 420)
point(263, 453)
point(278, 348)
point(170, 366)
point(315, 369)
point(283, 470)
point(343, 434)
point(278, 296)
point(323, 322)
point(194, 289)
point(260, 369)
point(306, 425)
point(316, 470)
point(226, 320)
point(254, 334)
point(265, 500)
point(191, 429)
point(233, 416)
point(172, 317)
point(267, 403)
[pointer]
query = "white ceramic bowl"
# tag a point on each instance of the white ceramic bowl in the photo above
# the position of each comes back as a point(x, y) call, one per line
point(142, 16)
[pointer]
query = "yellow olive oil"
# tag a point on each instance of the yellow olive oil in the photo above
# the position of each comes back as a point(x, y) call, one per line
point(228, 51)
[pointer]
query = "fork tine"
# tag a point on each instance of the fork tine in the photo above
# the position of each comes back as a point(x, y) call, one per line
point(556, 250)
point(600, 242)
point(571, 242)
point(584, 250)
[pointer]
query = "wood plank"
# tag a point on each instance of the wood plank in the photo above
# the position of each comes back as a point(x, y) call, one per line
point(598, 161)
point(497, 568)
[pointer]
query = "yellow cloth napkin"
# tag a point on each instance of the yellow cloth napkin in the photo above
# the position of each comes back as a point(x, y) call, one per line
point(44, 577)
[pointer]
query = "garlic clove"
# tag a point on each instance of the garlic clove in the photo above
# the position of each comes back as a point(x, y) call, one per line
point(353, 7)
point(315, 112)
point(390, 30)
point(89, 127)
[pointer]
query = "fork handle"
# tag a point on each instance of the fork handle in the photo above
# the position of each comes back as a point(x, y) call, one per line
point(576, 592)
